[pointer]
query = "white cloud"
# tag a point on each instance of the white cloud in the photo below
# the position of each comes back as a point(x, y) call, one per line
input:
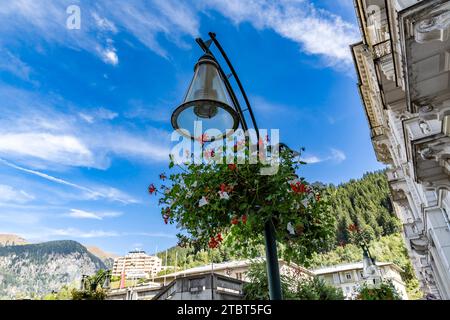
point(45, 21)
point(108, 193)
point(110, 56)
point(311, 159)
point(335, 155)
point(82, 214)
point(104, 23)
point(63, 149)
point(98, 114)
point(128, 145)
point(9, 194)
point(338, 155)
point(33, 130)
point(317, 31)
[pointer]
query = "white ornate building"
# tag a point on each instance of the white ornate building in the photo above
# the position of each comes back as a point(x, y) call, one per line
point(403, 65)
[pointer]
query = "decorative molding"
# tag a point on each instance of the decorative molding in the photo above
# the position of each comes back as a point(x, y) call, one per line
point(435, 28)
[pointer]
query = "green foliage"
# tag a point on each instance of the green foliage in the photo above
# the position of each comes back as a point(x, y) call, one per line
point(215, 201)
point(317, 289)
point(65, 293)
point(294, 287)
point(98, 294)
point(366, 203)
point(382, 291)
point(93, 287)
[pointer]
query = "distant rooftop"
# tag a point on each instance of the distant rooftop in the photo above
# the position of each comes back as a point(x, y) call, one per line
point(350, 266)
point(225, 265)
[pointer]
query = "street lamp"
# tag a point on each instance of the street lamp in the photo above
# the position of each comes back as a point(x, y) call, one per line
point(211, 100)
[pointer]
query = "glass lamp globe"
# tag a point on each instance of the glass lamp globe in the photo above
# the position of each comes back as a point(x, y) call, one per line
point(206, 104)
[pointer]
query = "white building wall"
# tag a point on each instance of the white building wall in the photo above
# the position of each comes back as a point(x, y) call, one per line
point(404, 79)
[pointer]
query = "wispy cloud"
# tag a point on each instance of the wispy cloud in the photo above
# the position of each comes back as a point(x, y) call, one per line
point(82, 214)
point(45, 21)
point(9, 194)
point(76, 233)
point(63, 149)
point(98, 114)
point(317, 31)
point(338, 155)
point(14, 65)
point(152, 234)
point(335, 155)
point(45, 234)
point(107, 193)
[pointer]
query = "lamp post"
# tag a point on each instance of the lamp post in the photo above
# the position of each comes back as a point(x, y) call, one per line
point(210, 98)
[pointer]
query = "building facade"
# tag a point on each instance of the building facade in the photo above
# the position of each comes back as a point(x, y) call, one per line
point(137, 264)
point(349, 277)
point(234, 269)
point(218, 281)
point(403, 66)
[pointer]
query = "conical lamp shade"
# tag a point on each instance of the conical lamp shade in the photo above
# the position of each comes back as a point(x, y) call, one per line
point(206, 101)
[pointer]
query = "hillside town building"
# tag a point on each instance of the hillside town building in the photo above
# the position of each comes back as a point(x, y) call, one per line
point(137, 264)
point(225, 281)
point(349, 277)
point(403, 67)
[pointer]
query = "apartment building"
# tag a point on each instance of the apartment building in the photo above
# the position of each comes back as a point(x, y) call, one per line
point(137, 264)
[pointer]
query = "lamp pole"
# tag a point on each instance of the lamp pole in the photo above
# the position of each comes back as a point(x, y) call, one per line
point(273, 270)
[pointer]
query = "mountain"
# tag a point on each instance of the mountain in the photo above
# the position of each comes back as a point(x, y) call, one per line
point(106, 257)
point(33, 270)
point(11, 240)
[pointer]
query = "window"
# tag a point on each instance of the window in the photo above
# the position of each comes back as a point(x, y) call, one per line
point(239, 275)
point(361, 274)
point(336, 278)
point(348, 276)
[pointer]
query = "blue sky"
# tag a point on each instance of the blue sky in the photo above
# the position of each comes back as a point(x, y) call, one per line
point(84, 121)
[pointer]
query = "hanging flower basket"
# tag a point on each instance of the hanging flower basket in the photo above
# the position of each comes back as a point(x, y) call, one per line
point(215, 202)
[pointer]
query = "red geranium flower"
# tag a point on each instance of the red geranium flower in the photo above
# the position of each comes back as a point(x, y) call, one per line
point(213, 243)
point(225, 188)
point(299, 187)
point(151, 189)
point(235, 221)
point(232, 167)
point(244, 219)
